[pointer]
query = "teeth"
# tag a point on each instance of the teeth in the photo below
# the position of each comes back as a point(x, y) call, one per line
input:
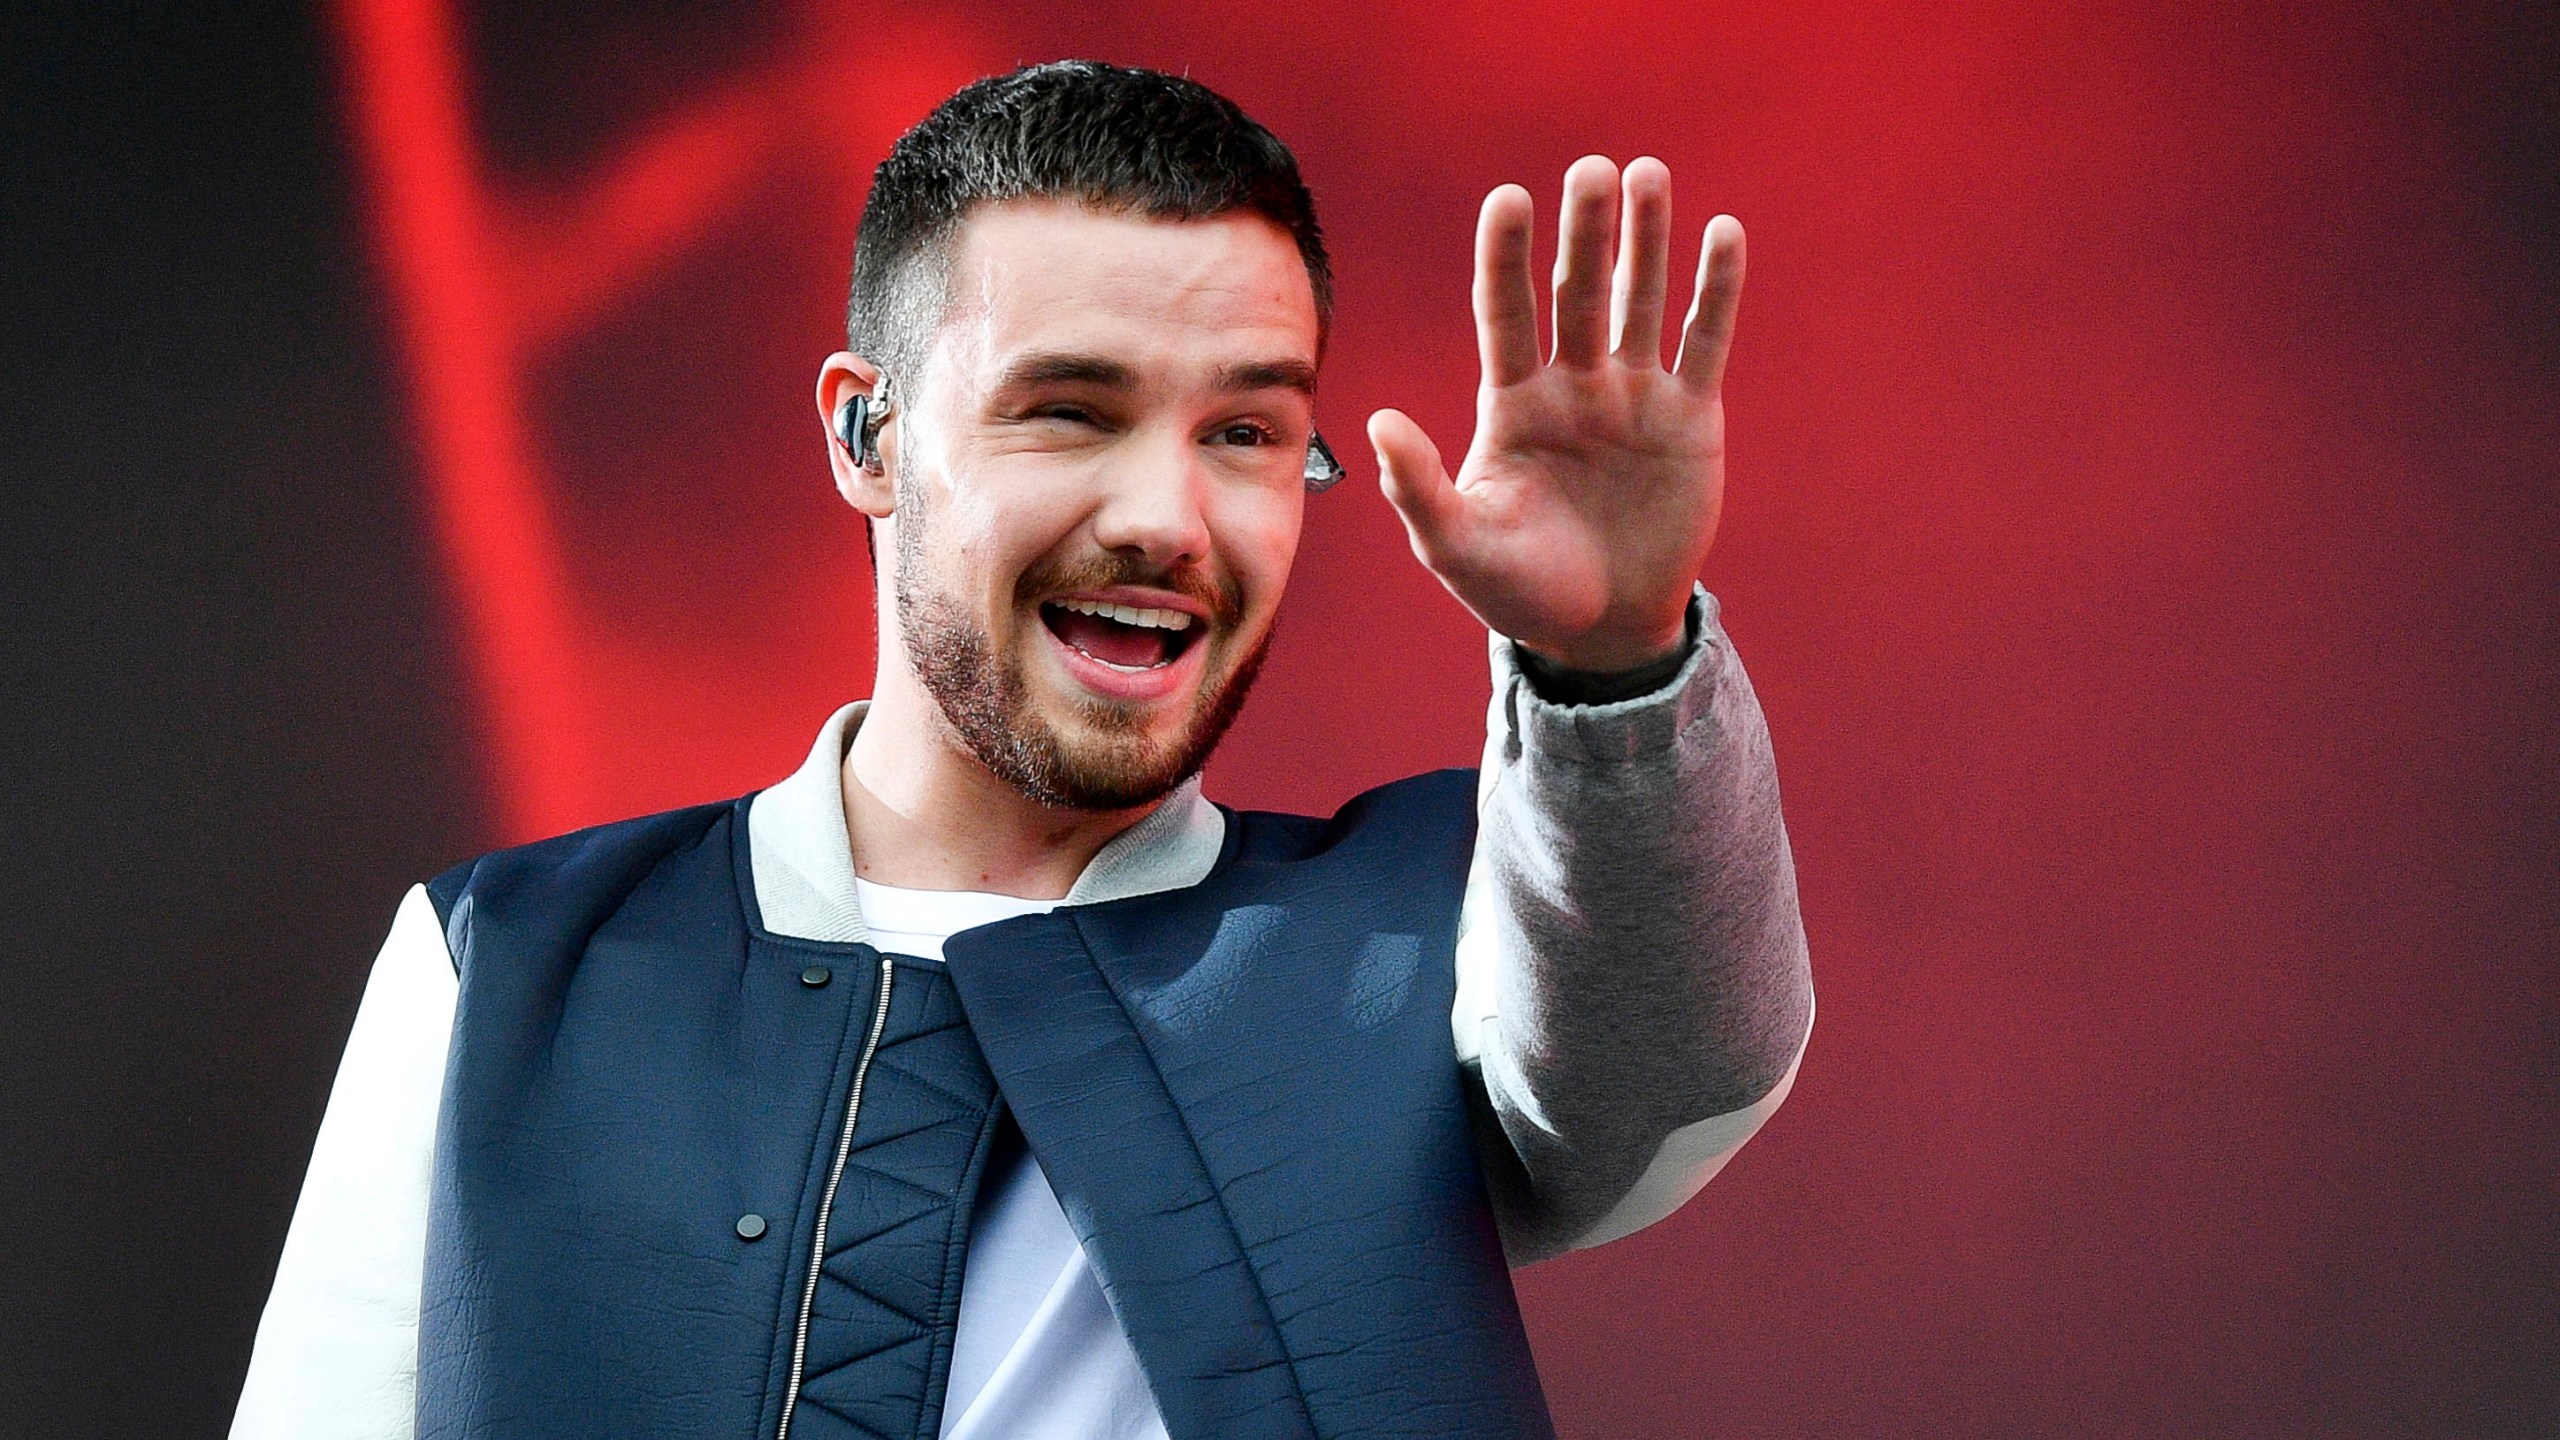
point(1173, 620)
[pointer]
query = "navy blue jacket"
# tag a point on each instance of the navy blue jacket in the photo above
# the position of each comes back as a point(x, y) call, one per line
point(1243, 1093)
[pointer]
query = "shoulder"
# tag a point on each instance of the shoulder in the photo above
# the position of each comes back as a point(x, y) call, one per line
point(1422, 812)
point(602, 862)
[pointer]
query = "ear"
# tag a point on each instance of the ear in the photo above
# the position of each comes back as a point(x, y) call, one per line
point(844, 376)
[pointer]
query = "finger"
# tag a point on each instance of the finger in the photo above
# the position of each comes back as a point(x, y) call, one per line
point(1416, 483)
point(1582, 261)
point(1709, 333)
point(1644, 263)
point(1506, 293)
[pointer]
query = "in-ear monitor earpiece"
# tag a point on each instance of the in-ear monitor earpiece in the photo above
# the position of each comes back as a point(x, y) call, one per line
point(1323, 471)
point(858, 424)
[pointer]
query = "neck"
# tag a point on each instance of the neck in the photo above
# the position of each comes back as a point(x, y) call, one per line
point(923, 813)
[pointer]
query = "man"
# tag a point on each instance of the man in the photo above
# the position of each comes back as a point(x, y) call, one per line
point(981, 1079)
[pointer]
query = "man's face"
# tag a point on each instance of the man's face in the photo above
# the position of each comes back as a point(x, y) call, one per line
point(1100, 486)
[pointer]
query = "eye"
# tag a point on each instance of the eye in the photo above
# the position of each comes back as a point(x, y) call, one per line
point(1246, 432)
point(1068, 414)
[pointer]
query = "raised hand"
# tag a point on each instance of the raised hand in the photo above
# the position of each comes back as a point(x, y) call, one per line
point(1590, 494)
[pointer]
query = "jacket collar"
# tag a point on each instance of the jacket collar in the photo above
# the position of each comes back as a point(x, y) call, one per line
point(800, 853)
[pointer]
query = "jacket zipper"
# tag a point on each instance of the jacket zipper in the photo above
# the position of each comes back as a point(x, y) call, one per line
point(827, 1201)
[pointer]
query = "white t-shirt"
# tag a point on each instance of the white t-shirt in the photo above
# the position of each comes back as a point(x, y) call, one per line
point(1039, 1355)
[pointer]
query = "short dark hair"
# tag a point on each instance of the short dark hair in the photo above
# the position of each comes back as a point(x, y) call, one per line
point(1163, 146)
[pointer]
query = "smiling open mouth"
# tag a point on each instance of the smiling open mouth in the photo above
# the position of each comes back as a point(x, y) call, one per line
point(1123, 637)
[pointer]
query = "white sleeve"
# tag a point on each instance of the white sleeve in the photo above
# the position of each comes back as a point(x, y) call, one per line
point(337, 1349)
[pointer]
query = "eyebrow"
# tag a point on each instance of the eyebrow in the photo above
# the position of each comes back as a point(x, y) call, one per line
point(1295, 375)
point(1066, 367)
point(1060, 367)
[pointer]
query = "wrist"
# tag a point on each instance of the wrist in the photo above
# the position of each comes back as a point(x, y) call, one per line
point(1603, 675)
point(1615, 654)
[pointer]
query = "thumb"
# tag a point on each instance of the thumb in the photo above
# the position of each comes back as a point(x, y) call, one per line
point(1415, 482)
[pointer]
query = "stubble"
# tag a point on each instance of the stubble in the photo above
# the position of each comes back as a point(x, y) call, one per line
point(1113, 764)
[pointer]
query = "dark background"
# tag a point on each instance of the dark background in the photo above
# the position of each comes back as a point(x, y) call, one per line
point(2147, 448)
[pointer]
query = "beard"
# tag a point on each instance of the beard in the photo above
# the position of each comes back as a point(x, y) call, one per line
point(1114, 764)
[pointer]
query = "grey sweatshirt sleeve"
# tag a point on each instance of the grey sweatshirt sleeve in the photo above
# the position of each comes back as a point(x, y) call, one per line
point(1633, 990)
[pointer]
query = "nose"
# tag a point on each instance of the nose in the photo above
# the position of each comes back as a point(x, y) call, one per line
point(1155, 504)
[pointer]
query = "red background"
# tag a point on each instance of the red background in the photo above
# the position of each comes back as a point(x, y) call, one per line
point(2141, 534)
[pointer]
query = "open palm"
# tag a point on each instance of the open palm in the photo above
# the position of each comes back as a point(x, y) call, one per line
point(1590, 494)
